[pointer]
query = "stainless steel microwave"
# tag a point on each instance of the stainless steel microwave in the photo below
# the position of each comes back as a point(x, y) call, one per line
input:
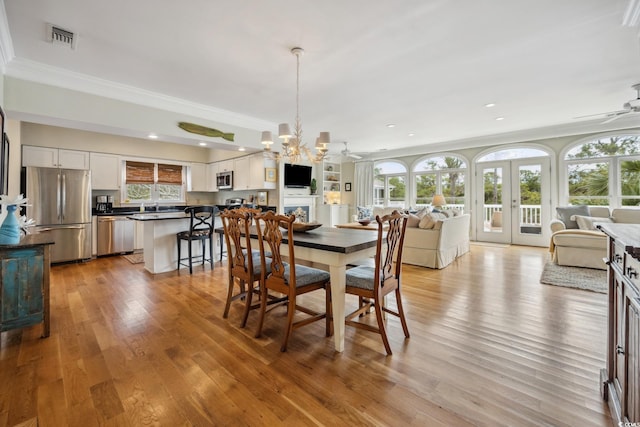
point(224, 180)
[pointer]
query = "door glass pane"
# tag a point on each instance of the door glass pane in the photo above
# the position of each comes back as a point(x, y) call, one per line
point(492, 209)
point(530, 208)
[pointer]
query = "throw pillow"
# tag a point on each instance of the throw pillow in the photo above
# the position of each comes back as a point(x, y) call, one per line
point(413, 221)
point(422, 212)
point(364, 212)
point(429, 220)
point(565, 213)
point(588, 222)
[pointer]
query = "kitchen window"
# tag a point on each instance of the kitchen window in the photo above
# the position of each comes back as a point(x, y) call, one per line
point(153, 182)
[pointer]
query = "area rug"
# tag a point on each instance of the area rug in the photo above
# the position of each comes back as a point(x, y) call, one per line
point(135, 258)
point(574, 277)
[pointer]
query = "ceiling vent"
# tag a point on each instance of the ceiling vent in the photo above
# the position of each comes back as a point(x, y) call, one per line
point(60, 36)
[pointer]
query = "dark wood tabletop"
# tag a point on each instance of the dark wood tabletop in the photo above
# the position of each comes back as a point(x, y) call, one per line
point(329, 239)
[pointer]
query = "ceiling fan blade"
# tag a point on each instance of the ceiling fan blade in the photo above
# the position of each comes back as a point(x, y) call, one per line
point(354, 156)
point(615, 117)
point(607, 114)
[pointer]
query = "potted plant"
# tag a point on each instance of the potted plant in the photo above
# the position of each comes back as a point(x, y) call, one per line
point(313, 186)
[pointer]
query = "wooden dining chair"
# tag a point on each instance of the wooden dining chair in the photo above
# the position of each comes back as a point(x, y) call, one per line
point(372, 284)
point(244, 267)
point(279, 276)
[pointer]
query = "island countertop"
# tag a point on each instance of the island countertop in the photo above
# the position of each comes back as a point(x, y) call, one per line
point(158, 216)
point(628, 235)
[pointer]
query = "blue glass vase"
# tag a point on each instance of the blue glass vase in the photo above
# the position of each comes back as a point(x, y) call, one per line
point(10, 228)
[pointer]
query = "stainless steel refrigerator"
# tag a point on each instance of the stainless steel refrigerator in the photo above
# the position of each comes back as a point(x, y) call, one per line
point(60, 204)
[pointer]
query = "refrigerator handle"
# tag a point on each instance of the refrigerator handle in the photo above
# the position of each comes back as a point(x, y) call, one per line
point(58, 197)
point(64, 195)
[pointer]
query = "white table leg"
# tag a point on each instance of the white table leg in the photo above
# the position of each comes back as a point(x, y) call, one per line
point(337, 273)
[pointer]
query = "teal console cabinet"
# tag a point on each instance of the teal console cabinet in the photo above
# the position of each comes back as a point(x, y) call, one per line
point(24, 283)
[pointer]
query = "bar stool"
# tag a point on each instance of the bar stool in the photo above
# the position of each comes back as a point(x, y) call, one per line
point(200, 229)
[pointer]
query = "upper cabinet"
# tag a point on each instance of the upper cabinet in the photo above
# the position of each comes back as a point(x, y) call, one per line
point(226, 165)
point(212, 171)
point(198, 178)
point(331, 182)
point(249, 173)
point(105, 171)
point(54, 158)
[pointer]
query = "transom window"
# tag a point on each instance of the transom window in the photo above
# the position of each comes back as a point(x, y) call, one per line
point(390, 184)
point(153, 182)
point(604, 172)
point(440, 175)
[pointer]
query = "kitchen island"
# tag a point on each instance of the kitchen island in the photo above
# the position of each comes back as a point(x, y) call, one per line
point(160, 246)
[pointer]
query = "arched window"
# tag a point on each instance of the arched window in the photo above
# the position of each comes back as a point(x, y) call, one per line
point(603, 172)
point(512, 153)
point(390, 184)
point(444, 175)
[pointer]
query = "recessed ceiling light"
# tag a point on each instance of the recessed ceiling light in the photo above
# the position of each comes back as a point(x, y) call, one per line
point(391, 125)
point(202, 143)
point(153, 136)
point(411, 134)
point(489, 105)
point(241, 149)
point(499, 118)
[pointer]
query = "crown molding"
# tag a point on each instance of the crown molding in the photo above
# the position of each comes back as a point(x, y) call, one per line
point(24, 69)
point(6, 44)
point(526, 135)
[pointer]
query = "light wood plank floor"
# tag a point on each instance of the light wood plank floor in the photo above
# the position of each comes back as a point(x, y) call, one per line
point(489, 346)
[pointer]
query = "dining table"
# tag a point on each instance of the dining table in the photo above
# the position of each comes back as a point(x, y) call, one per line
point(335, 248)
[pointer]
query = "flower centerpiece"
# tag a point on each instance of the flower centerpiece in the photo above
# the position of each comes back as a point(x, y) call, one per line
point(12, 226)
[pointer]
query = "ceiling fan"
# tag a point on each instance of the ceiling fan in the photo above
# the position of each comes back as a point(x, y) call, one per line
point(348, 153)
point(630, 107)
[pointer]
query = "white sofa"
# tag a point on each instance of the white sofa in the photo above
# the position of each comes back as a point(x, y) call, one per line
point(436, 247)
point(587, 246)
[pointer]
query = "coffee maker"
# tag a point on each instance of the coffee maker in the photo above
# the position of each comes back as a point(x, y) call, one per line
point(104, 204)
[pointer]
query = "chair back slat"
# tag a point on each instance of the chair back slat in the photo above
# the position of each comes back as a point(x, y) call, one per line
point(268, 225)
point(389, 248)
point(236, 233)
point(200, 221)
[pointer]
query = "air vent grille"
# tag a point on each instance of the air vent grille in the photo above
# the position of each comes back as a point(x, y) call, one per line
point(60, 36)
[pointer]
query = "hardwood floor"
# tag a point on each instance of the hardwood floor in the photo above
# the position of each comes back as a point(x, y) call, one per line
point(489, 346)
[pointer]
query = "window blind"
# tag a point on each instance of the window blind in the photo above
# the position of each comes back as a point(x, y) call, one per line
point(139, 172)
point(169, 174)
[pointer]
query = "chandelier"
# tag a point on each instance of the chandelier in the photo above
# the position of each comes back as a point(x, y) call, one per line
point(293, 148)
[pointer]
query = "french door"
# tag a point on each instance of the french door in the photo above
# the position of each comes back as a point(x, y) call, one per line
point(514, 202)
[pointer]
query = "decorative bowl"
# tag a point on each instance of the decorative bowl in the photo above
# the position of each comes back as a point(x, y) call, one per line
point(364, 222)
point(301, 227)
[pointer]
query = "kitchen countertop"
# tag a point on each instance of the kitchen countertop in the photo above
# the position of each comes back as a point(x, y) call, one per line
point(156, 216)
point(127, 211)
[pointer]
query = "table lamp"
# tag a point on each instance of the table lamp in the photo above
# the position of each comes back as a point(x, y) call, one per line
point(438, 201)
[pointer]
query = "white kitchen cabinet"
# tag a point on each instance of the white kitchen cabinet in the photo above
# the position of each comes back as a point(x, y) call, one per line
point(54, 158)
point(331, 215)
point(198, 179)
point(105, 171)
point(225, 165)
point(242, 174)
point(211, 172)
point(249, 173)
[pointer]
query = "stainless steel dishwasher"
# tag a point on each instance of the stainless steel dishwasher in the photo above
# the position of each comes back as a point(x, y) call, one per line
point(115, 235)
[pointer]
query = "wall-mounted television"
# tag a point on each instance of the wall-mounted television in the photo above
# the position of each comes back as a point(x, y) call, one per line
point(297, 175)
